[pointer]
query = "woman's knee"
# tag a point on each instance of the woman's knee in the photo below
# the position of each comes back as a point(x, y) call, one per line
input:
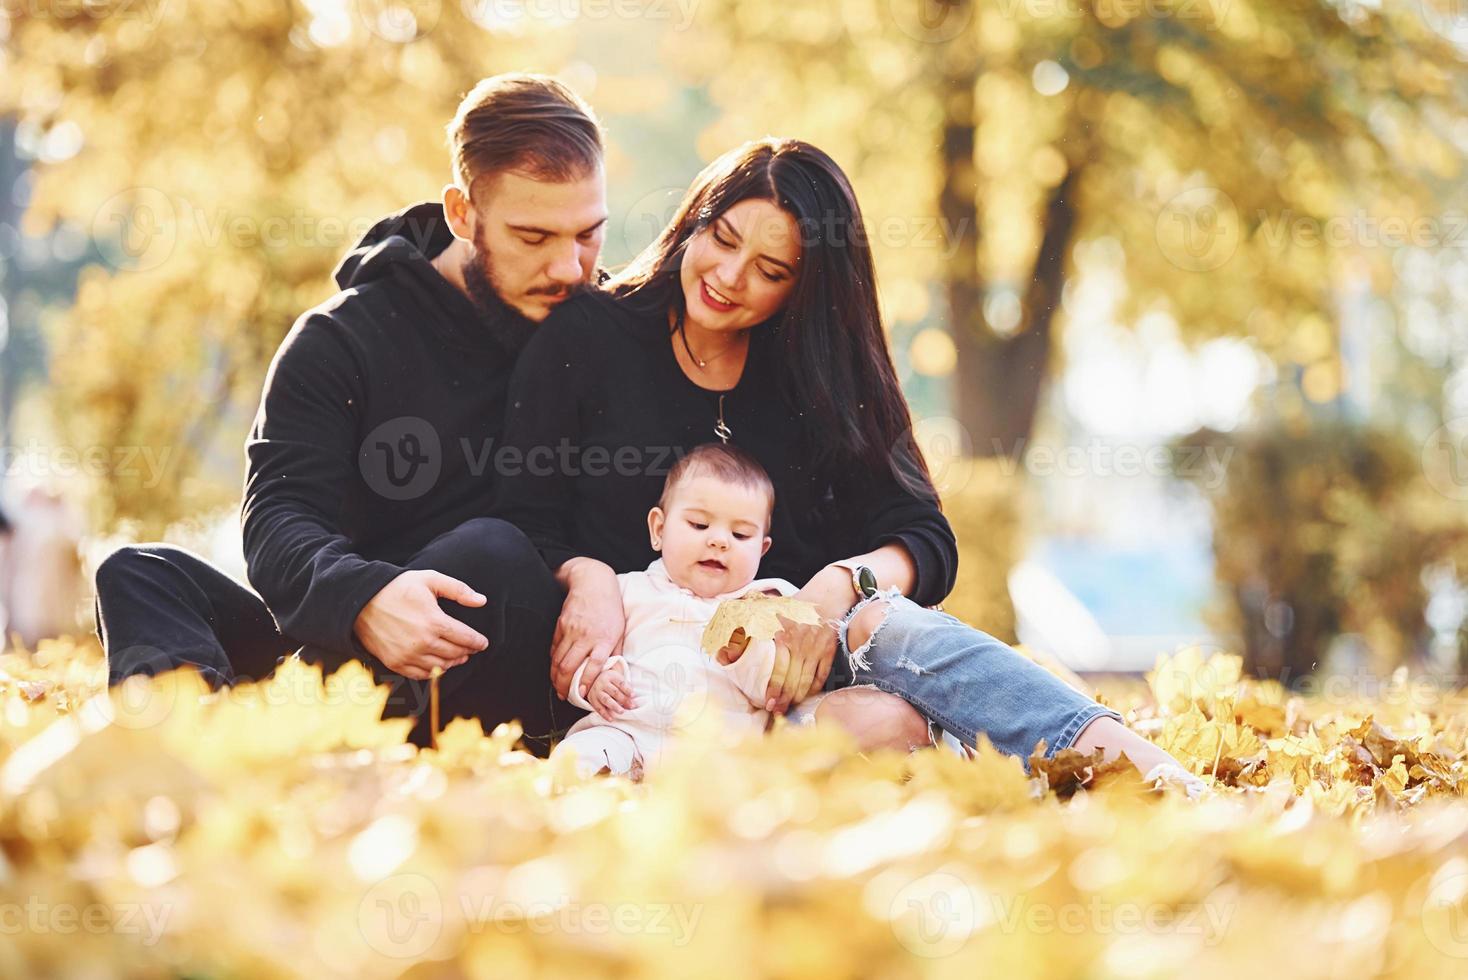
point(876, 719)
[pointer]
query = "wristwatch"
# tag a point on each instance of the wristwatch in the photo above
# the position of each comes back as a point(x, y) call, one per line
point(863, 579)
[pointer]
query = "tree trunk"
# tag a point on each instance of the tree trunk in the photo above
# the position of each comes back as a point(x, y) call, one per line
point(1000, 379)
point(957, 208)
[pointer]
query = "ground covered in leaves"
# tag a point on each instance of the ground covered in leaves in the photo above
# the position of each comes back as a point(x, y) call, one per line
point(284, 830)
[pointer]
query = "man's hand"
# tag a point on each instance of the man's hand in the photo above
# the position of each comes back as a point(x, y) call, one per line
point(591, 624)
point(404, 627)
point(803, 656)
point(611, 692)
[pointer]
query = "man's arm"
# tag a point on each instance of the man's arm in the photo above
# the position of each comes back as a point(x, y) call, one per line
point(299, 460)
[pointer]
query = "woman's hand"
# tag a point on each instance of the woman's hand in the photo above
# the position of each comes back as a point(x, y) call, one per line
point(591, 624)
point(803, 657)
point(804, 654)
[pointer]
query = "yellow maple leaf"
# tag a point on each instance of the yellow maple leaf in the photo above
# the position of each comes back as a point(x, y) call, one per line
point(758, 616)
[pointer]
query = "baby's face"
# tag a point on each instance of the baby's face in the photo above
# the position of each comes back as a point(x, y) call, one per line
point(713, 535)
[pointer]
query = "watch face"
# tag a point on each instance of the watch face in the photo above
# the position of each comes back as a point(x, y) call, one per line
point(867, 579)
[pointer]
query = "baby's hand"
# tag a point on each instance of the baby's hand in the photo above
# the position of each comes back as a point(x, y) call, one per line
point(731, 652)
point(610, 693)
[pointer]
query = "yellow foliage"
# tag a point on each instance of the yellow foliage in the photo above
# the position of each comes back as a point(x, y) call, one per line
point(283, 830)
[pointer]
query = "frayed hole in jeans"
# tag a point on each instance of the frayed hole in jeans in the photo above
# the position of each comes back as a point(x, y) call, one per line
point(912, 666)
point(857, 658)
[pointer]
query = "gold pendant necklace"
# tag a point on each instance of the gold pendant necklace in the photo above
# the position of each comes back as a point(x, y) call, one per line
point(703, 362)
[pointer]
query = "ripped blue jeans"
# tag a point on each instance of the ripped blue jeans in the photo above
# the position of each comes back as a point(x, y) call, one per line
point(962, 680)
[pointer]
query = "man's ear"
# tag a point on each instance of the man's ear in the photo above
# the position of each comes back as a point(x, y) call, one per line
point(458, 212)
point(764, 548)
point(655, 520)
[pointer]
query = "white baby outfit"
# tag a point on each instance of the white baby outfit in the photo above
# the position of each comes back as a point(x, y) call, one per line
point(675, 684)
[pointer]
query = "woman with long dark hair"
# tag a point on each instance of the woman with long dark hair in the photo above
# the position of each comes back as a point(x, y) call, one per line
point(753, 319)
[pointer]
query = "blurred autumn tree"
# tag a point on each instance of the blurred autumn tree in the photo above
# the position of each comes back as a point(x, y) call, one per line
point(1200, 147)
point(1323, 529)
point(225, 155)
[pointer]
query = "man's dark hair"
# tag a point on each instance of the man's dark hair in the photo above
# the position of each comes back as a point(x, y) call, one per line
point(726, 462)
point(527, 123)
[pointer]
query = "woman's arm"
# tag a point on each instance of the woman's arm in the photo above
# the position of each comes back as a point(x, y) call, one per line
point(909, 545)
point(804, 654)
point(834, 595)
point(906, 512)
point(913, 521)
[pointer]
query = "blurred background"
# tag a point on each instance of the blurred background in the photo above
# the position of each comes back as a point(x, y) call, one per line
point(1178, 290)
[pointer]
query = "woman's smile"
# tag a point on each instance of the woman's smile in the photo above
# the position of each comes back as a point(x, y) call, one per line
point(714, 299)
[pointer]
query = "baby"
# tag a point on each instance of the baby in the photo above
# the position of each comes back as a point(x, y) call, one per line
point(712, 528)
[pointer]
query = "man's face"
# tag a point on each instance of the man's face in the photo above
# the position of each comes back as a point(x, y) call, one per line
point(535, 241)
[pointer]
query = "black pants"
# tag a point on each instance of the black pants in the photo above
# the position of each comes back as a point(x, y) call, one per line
point(160, 607)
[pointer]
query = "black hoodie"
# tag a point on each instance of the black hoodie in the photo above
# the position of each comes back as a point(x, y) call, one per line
point(374, 433)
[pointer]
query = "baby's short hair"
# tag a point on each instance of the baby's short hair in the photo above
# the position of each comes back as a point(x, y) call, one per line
point(726, 462)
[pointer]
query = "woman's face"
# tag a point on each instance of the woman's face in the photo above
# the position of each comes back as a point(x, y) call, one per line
point(739, 270)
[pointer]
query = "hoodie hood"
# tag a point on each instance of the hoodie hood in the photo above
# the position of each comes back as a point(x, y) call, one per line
point(415, 234)
point(393, 263)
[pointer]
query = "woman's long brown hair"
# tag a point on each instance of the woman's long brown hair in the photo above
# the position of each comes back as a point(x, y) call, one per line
point(835, 369)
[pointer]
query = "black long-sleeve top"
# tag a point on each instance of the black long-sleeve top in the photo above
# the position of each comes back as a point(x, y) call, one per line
point(599, 410)
point(374, 431)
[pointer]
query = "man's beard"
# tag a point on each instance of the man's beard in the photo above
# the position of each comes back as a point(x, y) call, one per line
point(508, 325)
